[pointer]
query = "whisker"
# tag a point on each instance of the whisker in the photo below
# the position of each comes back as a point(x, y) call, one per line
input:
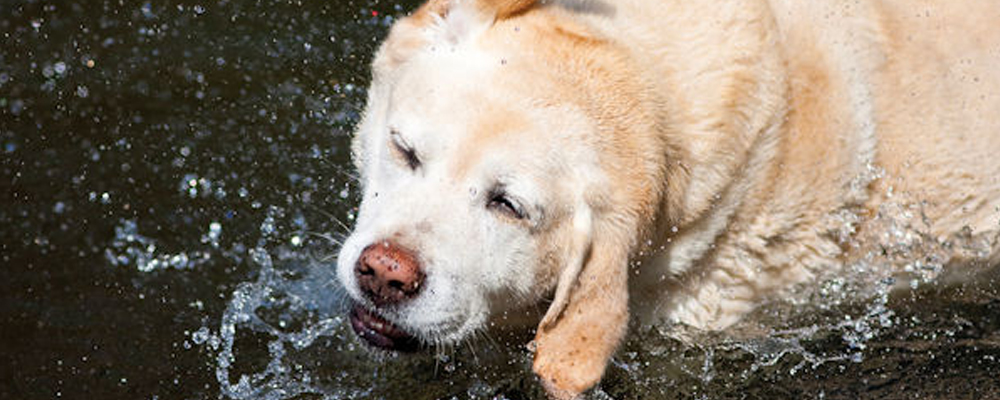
point(344, 172)
point(437, 356)
point(472, 347)
point(491, 341)
point(330, 216)
point(326, 236)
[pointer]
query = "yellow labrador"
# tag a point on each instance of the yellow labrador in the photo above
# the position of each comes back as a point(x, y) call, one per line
point(514, 151)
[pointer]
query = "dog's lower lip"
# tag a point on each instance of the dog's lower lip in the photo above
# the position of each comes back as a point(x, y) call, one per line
point(380, 333)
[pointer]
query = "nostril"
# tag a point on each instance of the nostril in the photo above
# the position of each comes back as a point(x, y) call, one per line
point(365, 269)
point(396, 285)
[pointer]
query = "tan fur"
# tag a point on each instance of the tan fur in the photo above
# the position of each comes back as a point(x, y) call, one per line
point(719, 144)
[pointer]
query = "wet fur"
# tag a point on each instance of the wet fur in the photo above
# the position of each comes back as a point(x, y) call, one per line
point(719, 145)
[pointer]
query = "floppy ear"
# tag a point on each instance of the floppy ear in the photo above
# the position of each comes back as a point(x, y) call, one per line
point(589, 316)
point(578, 251)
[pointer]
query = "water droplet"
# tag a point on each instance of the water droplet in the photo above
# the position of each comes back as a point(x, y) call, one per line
point(16, 107)
point(532, 346)
point(267, 227)
point(147, 10)
point(200, 336)
point(213, 235)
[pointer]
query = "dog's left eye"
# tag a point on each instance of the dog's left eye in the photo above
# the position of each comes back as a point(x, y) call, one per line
point(503, 204)
point(405, 151)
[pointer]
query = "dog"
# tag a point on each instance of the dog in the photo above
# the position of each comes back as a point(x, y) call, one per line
point(676, 160)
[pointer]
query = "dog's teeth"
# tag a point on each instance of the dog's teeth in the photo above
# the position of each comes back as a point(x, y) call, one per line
point(381, 326)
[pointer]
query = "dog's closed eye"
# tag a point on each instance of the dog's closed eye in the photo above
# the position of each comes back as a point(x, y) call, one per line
point(404, 150)
point(504, 204)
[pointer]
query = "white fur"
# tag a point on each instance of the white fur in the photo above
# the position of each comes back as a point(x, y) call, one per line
point(722, 146)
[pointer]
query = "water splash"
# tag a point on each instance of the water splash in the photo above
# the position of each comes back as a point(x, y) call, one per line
point(834, 323)
point(130, 248)
point(292, 308)
point(272, 290)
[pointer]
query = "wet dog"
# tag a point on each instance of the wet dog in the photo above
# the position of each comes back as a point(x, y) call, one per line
point(687, 158)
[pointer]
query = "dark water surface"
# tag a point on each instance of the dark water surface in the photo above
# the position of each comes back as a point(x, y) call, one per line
point(175, 177)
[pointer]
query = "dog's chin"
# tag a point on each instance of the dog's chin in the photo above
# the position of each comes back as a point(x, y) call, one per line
point(380, 333)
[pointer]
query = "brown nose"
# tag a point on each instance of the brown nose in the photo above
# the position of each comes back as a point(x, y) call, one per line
point(388, 274)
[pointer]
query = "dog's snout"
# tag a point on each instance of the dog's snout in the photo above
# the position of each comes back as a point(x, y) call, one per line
point(388, 274)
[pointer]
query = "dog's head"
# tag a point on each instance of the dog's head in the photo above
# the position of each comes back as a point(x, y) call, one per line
point(484, 186)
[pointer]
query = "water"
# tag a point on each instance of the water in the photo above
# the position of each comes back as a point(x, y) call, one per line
point(176, 178)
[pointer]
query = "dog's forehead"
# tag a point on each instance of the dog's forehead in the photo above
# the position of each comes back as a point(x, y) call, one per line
point(454, 81)
point(459, 102)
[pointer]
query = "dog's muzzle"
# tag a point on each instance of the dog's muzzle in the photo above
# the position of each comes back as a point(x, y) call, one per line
point(387, 276)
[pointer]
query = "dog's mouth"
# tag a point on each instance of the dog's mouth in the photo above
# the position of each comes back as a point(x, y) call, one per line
point(381, 333)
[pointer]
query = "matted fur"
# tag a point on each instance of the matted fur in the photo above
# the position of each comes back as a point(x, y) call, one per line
point(717, 143)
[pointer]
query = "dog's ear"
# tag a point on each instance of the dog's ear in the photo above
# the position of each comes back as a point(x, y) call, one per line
point(443, 21)
point(496, 9)
point(502, 9)
point(589, 315)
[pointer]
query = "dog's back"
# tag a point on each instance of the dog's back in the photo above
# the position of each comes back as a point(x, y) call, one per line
point(883, 102)
point(919, 81)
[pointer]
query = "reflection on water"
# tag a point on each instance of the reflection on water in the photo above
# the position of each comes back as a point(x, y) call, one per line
point(175, 177)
